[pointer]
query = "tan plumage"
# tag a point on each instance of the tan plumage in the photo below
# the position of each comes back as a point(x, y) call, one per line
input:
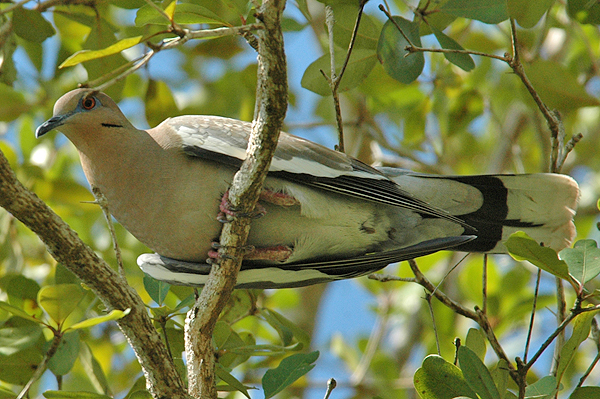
point(165, 185)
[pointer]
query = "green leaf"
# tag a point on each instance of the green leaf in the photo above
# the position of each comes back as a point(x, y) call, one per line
point(544, 388)
point(396, 61)
point(18, 334)
point(476, 374)
point(226, 340)
point(128, 4)
point(140, 394)
point(100, 37)
point(291, 25)
point(285, 328)
point(31, 26)
point(354, 3)
point(170, 9)
point(6, 394)
point(74, 395)
point(186, 302)
point(463, 61)
point(18, 312)
point(501, 376)
point(60, 300)
point(289, 370)
point(557, 87)
point(488, 11)
point(19, 288)
point(13, 103)
point(150, 15)
point(188, 13)
point(345, 19)
point(93, 370)
point(68, 350)
point(87, 55)
point(522, 247)
point(581, 330)
point(226, 377)
point(113, 315)
point(585, 393)
point(583, 260)
point(18, 368)
point(476, 342)
point(185, 13)
point(439, 379)
point(160, 104)
point(584, 11)
point(303, 7)
point(239, 305)
point(157, 290)
point(265, 350)
point(359, 66)
point(528, 13)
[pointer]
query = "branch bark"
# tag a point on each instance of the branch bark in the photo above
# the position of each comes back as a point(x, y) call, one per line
point(271, 106)
point(162, 379)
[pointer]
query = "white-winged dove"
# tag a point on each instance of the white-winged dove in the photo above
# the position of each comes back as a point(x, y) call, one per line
point(328, 216)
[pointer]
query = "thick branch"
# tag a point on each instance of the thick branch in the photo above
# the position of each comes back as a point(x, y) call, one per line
point(271, 105)
point(67, 248)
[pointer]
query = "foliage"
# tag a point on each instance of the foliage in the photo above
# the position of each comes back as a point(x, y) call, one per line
point(445, 110)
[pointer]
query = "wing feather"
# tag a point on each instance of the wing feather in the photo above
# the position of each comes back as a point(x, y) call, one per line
point(225, 140)
point(262, 275)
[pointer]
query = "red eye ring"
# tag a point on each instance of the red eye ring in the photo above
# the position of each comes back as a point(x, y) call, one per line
point(88, 103)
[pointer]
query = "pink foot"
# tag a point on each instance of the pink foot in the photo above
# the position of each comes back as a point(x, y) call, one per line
point(279, 253)
point(272, 197)
point(227, 210)
point(278, 198)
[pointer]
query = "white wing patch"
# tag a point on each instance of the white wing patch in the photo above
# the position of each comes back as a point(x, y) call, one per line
point(153, 266)
point(229, 137)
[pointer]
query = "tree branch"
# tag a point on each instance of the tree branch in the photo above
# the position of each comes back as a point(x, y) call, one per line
point(270, 110)
point(162, 379)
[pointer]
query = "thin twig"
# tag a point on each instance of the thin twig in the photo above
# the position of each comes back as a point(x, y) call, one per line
point(589, 370)
point(373, 343)
point(595, 335)
point(43, 365)
point(14, 6)
point(331, 384)
point(103, 203)
point(484, 284)
point(143, 61)
point(330, 21)
point(561, 316)
point(338, 79)
point(558, 331)
point(450, 271)
point(334, 79)
point(568, 147)
point(531, 320)
point(477, 315)
point(457, 345)
point(423, 281)
point(428, 297)
point(184, 35)
point(384, 278)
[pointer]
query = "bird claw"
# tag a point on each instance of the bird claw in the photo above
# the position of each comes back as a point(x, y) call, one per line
point(215, 257)
point(279, 253)
point(276, 198)
point(227, 210)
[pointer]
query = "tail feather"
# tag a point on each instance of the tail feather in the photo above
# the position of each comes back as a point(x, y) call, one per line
point(541, 205)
